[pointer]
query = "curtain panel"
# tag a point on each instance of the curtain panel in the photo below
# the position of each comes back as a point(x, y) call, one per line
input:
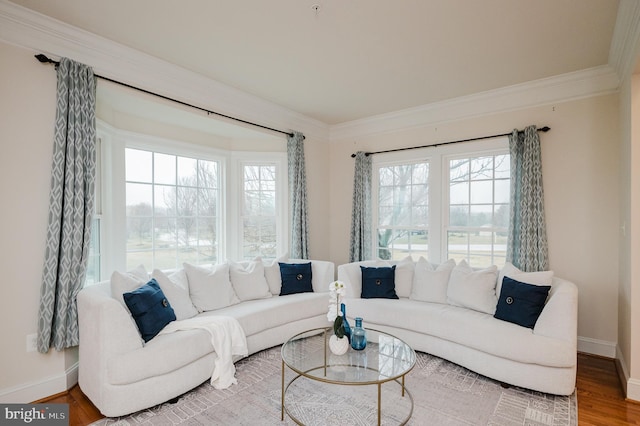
point(299, 247)
point(71, 208)
point(360, 241)
point(527, 242)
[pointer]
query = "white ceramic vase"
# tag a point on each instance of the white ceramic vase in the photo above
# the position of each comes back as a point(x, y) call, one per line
point(338, 346)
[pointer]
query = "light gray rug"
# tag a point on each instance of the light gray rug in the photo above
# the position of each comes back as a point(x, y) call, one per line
point(443, 393)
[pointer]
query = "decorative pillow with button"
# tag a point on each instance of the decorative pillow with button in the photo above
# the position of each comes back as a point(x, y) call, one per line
point(521, 303)
point(150, 309)
point(296, 278)
point(378, 283)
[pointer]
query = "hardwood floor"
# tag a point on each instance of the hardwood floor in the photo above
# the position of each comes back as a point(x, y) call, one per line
point(600, 398)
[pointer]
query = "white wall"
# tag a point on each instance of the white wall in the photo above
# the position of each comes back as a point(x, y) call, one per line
point(580, 171)
point(27, 111)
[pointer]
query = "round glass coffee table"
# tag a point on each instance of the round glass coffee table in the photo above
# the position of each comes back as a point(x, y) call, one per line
point(385, 358)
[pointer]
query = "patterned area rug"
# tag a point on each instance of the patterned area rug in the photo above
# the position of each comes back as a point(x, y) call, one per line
point(443, 393)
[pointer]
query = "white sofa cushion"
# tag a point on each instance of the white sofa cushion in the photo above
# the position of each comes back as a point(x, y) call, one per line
point(473, 289)
point(210, 289)
point(466, 327)
point(272, 274)
point(176, 288)
point(126, 282)
point(255, 316)
point(404, 276)
point(535, 278)
point(429, 283)
point(248, 280)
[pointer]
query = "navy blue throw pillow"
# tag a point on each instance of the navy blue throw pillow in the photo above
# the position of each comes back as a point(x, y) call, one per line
point(379, 283)
point(150, 309)
point(521, 303)
point(296, 278)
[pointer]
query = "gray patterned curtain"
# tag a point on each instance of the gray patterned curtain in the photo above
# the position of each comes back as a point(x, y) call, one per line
point(299, 248)
point(360, 244)
point(70, 206)
point(527, 243)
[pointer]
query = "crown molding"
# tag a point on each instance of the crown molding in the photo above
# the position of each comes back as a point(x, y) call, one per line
point(42, 34)
point(625, 44)
point(562, 88)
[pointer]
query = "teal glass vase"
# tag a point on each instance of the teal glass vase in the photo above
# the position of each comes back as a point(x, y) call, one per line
point(345, 323)
point(358, 336)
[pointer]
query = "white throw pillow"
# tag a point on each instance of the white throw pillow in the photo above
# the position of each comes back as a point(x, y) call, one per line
point(473, 289)
point(535, 278)
point(210, 289)
point(176, 289)
point(272, 274)
point(128, 281)
point(404, 276)
point(248, 281)
point(429, 283)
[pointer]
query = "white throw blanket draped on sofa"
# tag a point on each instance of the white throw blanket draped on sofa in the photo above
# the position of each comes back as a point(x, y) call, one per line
point(227, 338)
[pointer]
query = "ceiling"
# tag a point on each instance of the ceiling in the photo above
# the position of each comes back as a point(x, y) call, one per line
point(343, 60)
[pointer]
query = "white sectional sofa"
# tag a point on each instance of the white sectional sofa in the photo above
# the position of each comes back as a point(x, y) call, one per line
point(121, 374)
point(541, 358)
point(445, 311)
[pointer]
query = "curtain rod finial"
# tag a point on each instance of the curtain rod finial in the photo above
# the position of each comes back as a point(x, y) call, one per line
point(545, 129)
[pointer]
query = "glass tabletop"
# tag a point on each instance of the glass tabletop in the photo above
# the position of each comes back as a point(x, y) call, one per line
point(385, 358)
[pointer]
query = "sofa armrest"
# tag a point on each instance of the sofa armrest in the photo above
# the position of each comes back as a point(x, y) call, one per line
point(106, 330)
point(559, 318)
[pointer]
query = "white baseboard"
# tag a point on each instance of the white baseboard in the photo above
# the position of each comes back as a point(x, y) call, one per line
point(34, 391)
point(597, 347)
point(631, 387)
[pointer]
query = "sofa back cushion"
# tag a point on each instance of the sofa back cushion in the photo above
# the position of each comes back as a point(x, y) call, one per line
point(248, 280)
point(176, 287)
point(430, 284)
point(473, 289)
point(210, 288)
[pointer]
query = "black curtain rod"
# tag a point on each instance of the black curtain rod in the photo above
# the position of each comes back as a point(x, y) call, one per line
point(542, 129)
point(45, 60)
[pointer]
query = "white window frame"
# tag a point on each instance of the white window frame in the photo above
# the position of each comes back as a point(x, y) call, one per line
point(438, 157)
point(113, 220)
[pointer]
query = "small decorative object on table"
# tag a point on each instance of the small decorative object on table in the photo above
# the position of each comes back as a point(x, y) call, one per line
point(358, 336)
point(339, 340)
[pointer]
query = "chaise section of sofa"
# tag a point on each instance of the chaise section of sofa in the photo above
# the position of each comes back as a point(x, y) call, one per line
point(121, 374)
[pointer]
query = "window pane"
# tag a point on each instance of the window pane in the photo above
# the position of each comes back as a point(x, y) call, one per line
point(139, 235)
point(480, 216)
point(459, 193)
point(502, 192)
point(207, 174)
point(503, 167)
point(481, 192)
point(138, 165)
point(164, 200)
point(481, 168)
point(187, 171)
point(139, 199)
point(164, 169)
point(459, 215)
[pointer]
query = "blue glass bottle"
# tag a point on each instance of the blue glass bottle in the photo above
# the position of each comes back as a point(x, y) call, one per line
point(345, 323)
point(358, 336)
